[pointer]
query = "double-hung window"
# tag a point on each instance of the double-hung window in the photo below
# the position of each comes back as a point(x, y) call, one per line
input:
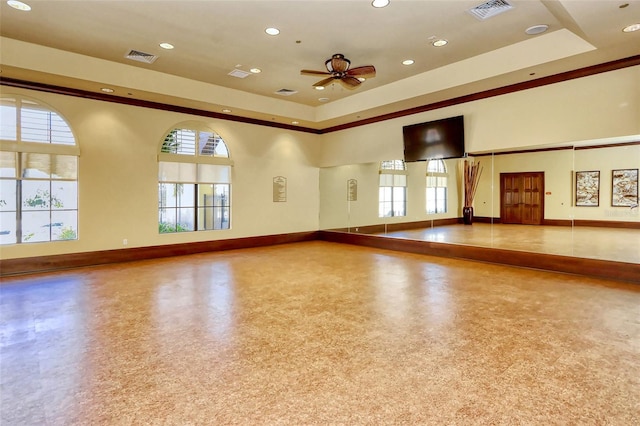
point(436, 186)
point(38, 174)
point(194, 188)
point(392, 189)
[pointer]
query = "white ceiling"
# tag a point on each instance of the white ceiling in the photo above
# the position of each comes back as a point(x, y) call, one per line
point(212, 38)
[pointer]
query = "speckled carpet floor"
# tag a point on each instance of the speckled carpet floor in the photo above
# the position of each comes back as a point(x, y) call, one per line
point(317, 333)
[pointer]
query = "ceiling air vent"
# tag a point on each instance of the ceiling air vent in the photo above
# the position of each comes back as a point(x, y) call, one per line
point(136, 55)
point(490, 9)
point(239, 73)
point(286, 92)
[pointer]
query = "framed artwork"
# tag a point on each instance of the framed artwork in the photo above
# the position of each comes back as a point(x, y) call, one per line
point(352, 190)
point(279, 189)
point(588, 189)
point(624, 188)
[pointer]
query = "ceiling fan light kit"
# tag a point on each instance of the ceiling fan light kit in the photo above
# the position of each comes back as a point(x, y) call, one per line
point(339, 69)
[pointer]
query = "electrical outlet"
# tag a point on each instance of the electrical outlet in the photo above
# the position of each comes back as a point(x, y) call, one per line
point(125, 242)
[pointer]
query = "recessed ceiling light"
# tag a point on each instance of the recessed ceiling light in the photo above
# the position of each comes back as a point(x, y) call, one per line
point(255, 70)
point(440, 42)
point(380, 3)
point(408, 62)
point(631, 28)
point(226, 110)
point(167, 46)
point(19, 5)
point(107, 90)
point(537, 29)
point(319, 87)
point(272, 31)
point(323, 99)
point(295, 122)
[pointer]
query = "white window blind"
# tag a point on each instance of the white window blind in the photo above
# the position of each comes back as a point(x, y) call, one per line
point(40, 125)
point(8, 120)
point(185, 141)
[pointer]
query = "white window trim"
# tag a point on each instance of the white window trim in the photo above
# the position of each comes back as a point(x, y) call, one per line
point(40, 148)
point(393, 172)
point(196, 159)
point(23, 147)
point(445, 174)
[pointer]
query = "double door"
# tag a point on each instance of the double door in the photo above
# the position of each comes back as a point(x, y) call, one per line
point(522, 198)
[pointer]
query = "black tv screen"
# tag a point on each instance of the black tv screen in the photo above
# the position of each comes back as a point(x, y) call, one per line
point(434, 139)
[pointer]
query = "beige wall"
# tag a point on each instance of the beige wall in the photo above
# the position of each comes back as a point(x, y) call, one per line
point(118, 177)
point(337, 212)
point(599, 106)
point(558, 167)
point(606, 160)
point(119, 144)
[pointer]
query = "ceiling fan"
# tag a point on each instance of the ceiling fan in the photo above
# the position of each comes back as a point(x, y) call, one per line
point(338, 69)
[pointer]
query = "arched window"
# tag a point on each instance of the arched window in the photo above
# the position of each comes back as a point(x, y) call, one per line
point(194, 189)
point(393, 165)
point(436, 186)
point(393, 189)
point(38, 174)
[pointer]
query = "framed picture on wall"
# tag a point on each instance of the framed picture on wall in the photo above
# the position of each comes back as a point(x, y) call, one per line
point(352, 190)
point(588, 189)
point(279, 189)
point(624, 188)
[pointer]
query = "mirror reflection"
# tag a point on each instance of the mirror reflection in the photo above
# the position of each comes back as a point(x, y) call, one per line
point(579, 200)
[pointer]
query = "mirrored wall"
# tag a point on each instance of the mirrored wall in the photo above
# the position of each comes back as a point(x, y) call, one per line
point(579, 200)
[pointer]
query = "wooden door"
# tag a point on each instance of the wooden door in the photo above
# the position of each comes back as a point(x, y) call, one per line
point(522, 198)
point(510, 187)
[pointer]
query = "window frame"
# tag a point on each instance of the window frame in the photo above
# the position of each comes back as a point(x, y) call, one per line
point(441, 202)
point(388, 194)
point(21, 149)
point(196, 159)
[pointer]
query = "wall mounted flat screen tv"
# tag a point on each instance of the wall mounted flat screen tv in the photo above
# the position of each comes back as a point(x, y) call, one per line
point(435, 139)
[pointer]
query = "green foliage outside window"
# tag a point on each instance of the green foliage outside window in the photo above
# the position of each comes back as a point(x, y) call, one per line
point(68, 234)
point(43, 199)
point(171, 144)
point(164, 227)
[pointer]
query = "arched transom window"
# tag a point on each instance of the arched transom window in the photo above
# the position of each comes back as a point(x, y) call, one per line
point(38, 174)
point(194, 188)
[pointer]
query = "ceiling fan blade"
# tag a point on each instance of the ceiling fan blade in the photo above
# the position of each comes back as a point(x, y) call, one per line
point(367, 71)
point(325, 82)
point(312, 72)
point(350, 82)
